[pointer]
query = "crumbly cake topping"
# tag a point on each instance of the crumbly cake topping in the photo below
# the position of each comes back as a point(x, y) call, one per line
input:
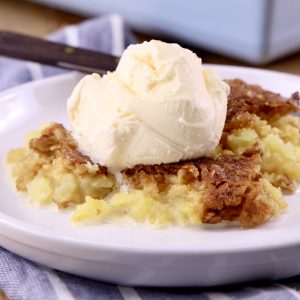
point(247, 101)
point(232, 188)
point(56, 140)
point(253, 99)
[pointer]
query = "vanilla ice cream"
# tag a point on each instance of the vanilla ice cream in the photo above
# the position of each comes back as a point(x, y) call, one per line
point(159, 106)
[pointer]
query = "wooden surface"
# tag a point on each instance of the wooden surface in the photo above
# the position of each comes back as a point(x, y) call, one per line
point(37, 20)
point(3, 296)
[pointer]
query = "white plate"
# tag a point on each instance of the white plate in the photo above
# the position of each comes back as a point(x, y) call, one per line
point(138, 255)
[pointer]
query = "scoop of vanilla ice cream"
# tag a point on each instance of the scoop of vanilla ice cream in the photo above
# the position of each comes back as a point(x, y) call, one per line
point(159, 106)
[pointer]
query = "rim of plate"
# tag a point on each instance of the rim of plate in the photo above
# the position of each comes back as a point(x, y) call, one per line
point(47, 234)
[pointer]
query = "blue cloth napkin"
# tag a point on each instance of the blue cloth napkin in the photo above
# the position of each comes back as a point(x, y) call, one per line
point(21, 279)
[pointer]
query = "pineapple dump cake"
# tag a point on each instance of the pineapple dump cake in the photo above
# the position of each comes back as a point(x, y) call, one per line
point(234, 172)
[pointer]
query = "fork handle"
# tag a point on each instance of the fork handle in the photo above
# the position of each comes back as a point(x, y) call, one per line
point(21, 46)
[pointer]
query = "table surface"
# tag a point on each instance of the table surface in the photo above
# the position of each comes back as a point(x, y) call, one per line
point(38, 20)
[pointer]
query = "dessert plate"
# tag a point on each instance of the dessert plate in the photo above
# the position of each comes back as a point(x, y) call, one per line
point(128, 253)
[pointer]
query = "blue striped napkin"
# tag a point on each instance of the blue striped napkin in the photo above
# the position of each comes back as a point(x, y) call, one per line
point(21, 279)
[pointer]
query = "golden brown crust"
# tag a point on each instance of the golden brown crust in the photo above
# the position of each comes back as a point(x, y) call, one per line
point(232, 187)
point(158, 169)
point(247, 101)
point(56, 140)
point(253, 99)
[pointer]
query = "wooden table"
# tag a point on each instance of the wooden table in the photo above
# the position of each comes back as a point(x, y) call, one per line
point(37, 20)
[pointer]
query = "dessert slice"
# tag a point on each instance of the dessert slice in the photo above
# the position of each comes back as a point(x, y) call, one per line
point(260, 118)
point(51, 169)
point(207, 190)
